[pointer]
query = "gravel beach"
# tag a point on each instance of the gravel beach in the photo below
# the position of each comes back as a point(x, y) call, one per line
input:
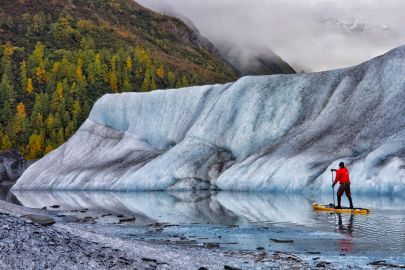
point(26, 244)
point(56, 238)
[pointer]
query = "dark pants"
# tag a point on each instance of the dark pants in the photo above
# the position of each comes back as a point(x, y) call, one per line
point(345, 187)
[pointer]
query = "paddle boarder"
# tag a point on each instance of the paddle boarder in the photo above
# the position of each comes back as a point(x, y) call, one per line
point(342, 176)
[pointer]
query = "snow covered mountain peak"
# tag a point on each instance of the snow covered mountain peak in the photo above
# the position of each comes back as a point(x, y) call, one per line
point(354, 25)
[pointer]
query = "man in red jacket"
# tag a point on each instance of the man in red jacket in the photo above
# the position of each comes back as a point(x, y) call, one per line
point(342, 176)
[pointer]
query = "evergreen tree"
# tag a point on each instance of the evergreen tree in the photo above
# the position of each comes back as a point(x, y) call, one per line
point(5, 143)
point(19, 124)
point(7, 99)
point(146, 85)
point(24, 79)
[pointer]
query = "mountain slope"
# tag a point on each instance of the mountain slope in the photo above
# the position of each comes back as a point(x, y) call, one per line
point(247, 58)
point(109, 24)
point(250, 59)
point(279, 132)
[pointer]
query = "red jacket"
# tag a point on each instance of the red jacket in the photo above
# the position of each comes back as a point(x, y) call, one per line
point(342, 176)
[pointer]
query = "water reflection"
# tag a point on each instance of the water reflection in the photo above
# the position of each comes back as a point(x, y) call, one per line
point(379, 232)
point(188, 207)
point(346, 243)
point(226, 208)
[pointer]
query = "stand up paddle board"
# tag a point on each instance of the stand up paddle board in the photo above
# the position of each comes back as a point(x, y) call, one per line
point(331, 208)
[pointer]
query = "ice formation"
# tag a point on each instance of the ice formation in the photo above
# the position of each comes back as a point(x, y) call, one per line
point(276, 133)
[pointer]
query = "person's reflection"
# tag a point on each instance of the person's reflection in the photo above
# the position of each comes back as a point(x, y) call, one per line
point(346, 244)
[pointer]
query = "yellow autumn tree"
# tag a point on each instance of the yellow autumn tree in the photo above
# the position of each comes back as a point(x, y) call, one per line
point(50, 122)
point(19, 120)
point(142, 56)
point(56, 68)
point(129, 63)
point(40, 74)
point(21, 110)
point(114, 81)
point(57, 97)
point(30, 87)
point(8, 50)
point(38, 59)
point(160, 72)
point(48, 149)
point(97, 64)
point(113, 78)
point(35, 146)
point(38, 54)
point(79, 72)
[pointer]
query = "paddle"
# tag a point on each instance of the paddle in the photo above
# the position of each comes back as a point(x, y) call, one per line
point(333, 188)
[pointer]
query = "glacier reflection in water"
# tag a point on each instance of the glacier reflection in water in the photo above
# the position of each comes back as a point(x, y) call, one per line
point(281, 215)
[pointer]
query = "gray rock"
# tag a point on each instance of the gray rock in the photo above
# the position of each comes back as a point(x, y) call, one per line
point(211, 245)
point(228, 267)
point(148, 260)
point(281, 240)
point(322, 264)
point(12, 165)
point(126, 220)
point(40, 220)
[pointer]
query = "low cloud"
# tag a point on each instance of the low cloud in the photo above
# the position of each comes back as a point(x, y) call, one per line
point(315, 34)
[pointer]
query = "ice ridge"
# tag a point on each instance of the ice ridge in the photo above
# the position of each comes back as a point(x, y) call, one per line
point(260, 133)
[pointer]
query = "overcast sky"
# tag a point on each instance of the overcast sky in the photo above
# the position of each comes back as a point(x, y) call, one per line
point(313, 34)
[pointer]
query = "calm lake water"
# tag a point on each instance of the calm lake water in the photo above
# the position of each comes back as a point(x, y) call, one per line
point(282, 222)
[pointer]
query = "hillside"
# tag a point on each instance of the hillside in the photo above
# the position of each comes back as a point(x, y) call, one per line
point(58, 57)
point(111, 24)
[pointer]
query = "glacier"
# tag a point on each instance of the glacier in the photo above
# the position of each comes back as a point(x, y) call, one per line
point(260, 133)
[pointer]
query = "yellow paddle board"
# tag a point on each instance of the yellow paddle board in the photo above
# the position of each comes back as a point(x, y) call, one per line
point(328, 208)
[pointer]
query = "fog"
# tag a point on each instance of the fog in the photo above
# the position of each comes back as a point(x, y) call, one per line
point(309, 34)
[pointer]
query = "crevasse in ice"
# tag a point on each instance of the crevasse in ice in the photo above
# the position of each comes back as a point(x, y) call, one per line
point(278, 133)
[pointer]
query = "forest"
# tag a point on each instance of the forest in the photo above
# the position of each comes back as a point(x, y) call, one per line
point(46, 96)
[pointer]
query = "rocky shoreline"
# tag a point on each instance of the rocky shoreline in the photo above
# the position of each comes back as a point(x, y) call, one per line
point(28, 241)
point(25, 245)
point(58, 238)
